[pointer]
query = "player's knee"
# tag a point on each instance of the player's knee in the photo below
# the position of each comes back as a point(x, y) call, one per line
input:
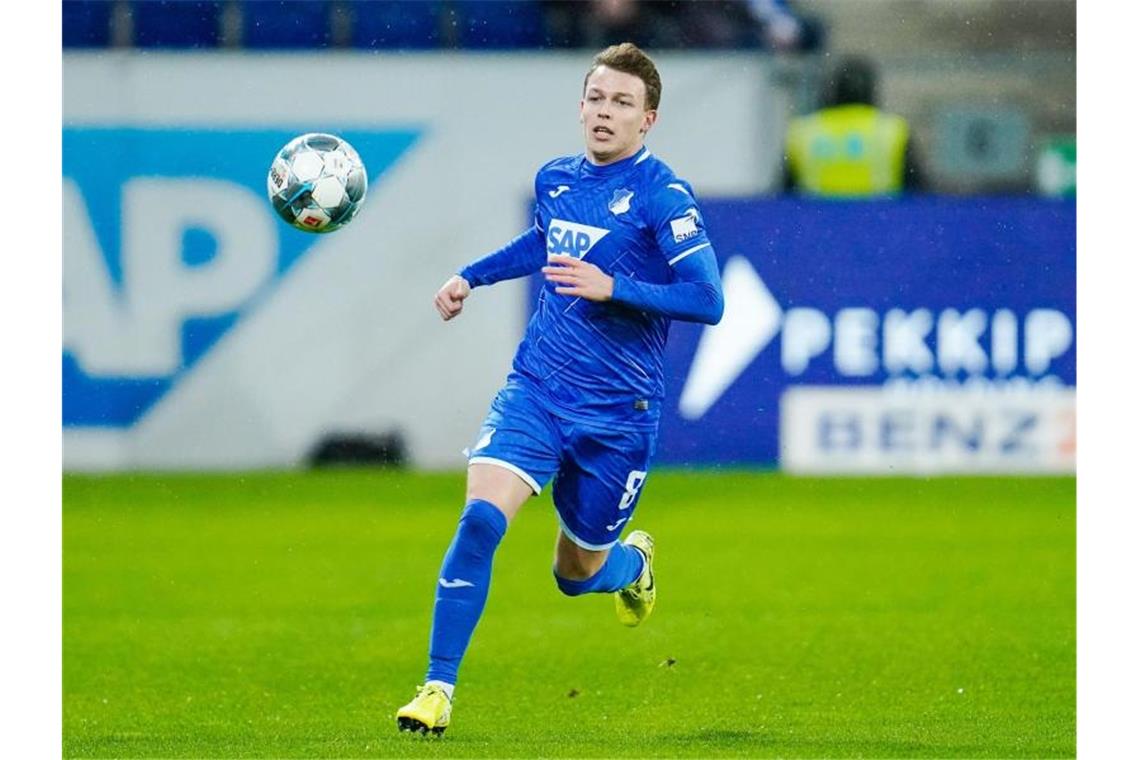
point(575, 562)
point(482, 523)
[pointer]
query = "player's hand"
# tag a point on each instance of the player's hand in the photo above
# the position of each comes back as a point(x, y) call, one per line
point(449, 299)
point(574, 277)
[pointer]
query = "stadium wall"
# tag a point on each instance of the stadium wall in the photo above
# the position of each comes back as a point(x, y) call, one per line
point(201, 333)
point(923, 335)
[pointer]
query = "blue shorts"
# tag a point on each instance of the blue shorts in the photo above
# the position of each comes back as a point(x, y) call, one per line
point(598, 472)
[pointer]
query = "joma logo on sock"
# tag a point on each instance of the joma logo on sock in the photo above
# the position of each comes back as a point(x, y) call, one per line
point(457, 583)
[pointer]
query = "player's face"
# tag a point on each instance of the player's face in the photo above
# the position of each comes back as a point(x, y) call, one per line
point(613, 115)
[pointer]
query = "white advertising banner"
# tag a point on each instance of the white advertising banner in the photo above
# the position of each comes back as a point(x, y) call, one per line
point(919, 431)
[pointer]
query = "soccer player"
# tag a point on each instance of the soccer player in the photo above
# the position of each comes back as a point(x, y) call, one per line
point(622, 246)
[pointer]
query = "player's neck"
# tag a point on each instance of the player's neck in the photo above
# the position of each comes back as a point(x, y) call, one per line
point(611, 160)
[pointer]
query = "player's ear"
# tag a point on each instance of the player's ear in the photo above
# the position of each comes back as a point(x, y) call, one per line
point(648, 121)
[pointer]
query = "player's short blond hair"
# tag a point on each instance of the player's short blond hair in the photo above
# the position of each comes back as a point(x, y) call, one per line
point(630, 59)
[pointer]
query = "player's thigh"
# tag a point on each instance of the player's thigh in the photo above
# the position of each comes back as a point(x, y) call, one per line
point(516, 452)
point(599, 485)
point(499, 486)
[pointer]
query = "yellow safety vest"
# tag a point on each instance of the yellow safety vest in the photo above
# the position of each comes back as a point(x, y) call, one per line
point(847, 151)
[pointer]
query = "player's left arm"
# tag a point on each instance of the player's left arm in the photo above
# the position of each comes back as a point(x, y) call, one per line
point(694, 295)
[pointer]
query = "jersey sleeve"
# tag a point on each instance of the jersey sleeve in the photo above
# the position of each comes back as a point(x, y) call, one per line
point(677, 223)
point(524, 255)
point(695, 294)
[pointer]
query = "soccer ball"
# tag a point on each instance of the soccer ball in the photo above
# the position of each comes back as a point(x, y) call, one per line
point(317, 182)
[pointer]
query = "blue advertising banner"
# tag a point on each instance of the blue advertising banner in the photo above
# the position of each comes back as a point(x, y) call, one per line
point(169, 241)
point(951, 294)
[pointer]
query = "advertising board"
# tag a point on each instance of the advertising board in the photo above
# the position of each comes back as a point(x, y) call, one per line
point(834, 302)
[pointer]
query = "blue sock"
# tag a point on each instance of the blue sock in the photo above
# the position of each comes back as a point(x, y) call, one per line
point(622, 567)
point(461, 591)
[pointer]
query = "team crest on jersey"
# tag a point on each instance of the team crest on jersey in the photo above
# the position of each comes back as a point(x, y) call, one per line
point(571, 238)
point(619, 204)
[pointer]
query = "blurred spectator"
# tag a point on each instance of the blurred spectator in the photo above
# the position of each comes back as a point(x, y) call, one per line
point(658, 24)
point(850, 148)
point(724, 24)
point(601, 23)
point(781, 30)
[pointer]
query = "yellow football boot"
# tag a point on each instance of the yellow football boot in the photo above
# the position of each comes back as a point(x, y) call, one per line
point(430, 711)
point(635, 601)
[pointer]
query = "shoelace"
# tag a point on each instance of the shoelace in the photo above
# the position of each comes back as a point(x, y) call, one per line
point(634, 591)
point(423, 690)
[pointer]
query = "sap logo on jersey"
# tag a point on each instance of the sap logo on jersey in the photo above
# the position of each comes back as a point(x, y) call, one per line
point(572, 239)
point(168, 242)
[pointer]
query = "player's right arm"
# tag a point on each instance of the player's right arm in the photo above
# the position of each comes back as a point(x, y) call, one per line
point(522, 256)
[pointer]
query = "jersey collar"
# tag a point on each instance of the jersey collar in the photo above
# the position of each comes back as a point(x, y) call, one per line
point(610, 170)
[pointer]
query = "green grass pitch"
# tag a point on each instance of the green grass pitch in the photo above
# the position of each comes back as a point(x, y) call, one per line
point(286, 615)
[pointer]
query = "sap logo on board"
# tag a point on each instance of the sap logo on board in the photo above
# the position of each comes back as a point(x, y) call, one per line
point(571, 238)
point(168, 242)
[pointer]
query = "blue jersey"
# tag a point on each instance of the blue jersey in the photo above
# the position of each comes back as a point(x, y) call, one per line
point(603, 362)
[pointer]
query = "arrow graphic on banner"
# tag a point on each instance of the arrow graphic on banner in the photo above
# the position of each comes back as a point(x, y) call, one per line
point(751, 320)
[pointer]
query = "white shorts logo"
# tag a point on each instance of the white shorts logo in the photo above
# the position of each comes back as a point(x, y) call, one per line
point(616, 525)
point(486, 439)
